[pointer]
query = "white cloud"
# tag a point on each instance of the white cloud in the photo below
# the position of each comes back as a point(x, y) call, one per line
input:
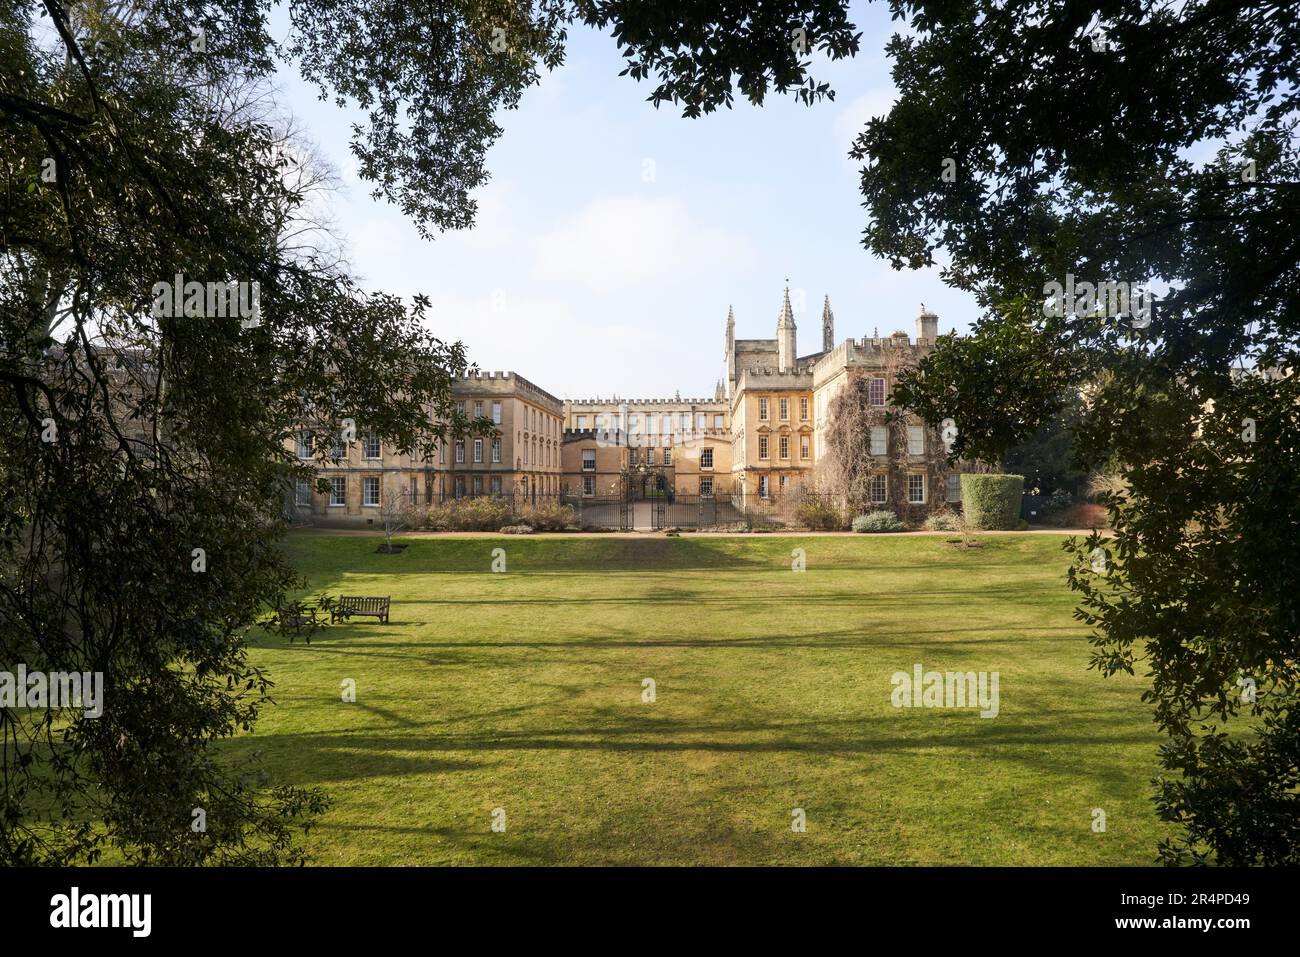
point(541, 338)
point(494, 225)
point(376, 239)
point(623, 241)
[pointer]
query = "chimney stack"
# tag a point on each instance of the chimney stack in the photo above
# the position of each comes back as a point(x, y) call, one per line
point(927, 325)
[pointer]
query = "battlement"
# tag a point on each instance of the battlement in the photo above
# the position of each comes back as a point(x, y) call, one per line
point(599, 403)
point(502, 383)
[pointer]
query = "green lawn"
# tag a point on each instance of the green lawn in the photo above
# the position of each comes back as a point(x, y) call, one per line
point(523, 691)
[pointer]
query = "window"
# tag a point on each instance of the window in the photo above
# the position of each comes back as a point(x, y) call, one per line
point(582, 421)
point(478, 408)
point(649, 456)
point(686, 421)
point(879, 490)
point(706, 458)
point(762, 446)
point(631, 421)
point(460, 406)
point(302, 492)
point(876, 391)
point(785, 482)
point(803, 447)
point(303, 444)
point(719, 422)
point(496, 450)
point(706, 487)
point(701, 421)
point(496, 413)
point(785, 409)
point(668, 456)
point(803, 408)
point(762, 409)
point(478, 450)
point(631, 456)
point(370, 491)
point(785, 446)
point(370, 447)
point(650, 423)
point(879, 444)
point(915, 440)
point(496, 485)
point(589, 460)
point(916, 489)
point(589, 485)
point(338, 450)
point(460, 486)
point(478, 485)
point(338, 491)
point(762, 486)
point(460, 452)
point(954, 487)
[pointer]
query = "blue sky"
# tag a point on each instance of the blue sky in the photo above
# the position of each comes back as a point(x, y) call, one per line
point(613, 235)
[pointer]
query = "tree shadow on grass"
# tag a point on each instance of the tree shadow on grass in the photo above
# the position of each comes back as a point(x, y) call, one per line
point(1040, 744)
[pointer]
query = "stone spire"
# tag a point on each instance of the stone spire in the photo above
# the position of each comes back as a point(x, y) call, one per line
point(785, 336)
point(729, 360)
point(828, 326)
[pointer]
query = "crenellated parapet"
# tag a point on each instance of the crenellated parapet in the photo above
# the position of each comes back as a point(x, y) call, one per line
point(506, 383)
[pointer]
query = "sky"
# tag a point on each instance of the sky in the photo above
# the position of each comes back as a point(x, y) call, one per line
point(613, 236)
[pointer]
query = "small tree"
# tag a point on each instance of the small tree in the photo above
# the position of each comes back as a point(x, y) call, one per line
point(395, 511)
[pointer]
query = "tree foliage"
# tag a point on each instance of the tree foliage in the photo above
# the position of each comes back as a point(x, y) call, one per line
point(145, 457)
point(1162, 150)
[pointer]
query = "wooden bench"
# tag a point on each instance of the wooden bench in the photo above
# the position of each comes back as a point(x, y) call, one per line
point(350, 605)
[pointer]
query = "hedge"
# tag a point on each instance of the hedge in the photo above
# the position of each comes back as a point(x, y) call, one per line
point(991, 501)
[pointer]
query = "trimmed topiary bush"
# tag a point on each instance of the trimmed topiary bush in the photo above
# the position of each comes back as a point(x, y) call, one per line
point(991, 501)
point(878, 522)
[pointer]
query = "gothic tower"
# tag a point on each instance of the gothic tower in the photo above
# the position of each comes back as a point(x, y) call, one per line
point(828, 326)
point(730, 358)
point(785, 336)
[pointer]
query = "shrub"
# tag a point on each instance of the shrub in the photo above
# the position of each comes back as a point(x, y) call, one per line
point(818, 515)
point(469, 515)
point(878, 522)
point(548, 516)
point(991, 501)
point(1059, 501)
point(944, 521)
point(517, 530)
point(757, 520)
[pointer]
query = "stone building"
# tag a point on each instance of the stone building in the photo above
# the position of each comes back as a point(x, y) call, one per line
point(523, 459)
point(678, 445)
point(758, 439)
point(780, 406)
